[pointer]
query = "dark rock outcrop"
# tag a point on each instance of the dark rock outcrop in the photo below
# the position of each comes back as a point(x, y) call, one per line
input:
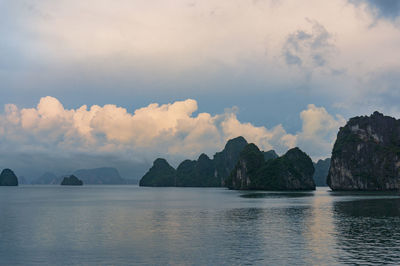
point(292, 171)
point(8, 178)
point(71, 181)
point(366, 154)
point(321, 172)
point(97, 176)
point(161, 174)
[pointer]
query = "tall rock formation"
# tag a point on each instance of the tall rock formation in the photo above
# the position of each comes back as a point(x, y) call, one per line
point(292, 171)
point(226, 160)
point(8, 178)
point(161, 174)
point(366, 154)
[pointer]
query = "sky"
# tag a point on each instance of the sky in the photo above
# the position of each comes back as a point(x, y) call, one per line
point(121, 82)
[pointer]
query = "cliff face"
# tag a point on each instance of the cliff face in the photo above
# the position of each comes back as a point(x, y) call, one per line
point(292, 171)
point(8, 178)
point(161, 174)
point(245, 174)
point(366, 154)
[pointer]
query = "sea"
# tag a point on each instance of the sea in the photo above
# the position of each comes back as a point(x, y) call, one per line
point(131, 225)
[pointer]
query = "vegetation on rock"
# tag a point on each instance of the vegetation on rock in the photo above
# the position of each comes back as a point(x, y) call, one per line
point(292, 171)
point(198, 173)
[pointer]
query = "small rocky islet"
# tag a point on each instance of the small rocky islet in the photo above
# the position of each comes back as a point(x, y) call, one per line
point(71, 181)
point(8, 178)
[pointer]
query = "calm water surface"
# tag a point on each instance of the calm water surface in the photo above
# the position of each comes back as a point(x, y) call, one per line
point(125, 225)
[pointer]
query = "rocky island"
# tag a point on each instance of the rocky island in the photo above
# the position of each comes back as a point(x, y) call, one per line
point(203, 172)
point(238, 166)
point(366, 154)
point(71, 181)
point(8, 178)
point(292, 171)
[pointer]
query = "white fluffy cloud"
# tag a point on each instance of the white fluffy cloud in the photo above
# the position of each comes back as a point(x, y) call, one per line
point(319, 130)
point(171, 130)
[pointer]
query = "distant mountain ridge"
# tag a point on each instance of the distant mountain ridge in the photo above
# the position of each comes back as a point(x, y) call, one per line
point(94, 176)
point(98, 176)
point(47, 178)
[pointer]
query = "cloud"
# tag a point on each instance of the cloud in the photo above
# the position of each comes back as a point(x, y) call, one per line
point(378, 91)
point(171, 130)
point(381, 9)
point(319, 130)
point(308, 48)
point(135, 52)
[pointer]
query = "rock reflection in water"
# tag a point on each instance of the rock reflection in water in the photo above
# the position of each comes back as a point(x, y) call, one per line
point(368, 231)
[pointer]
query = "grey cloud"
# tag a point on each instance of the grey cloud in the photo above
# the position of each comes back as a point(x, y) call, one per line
point(292, 59)
point(378, 90)
point(308, 49)
point(385, 9)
